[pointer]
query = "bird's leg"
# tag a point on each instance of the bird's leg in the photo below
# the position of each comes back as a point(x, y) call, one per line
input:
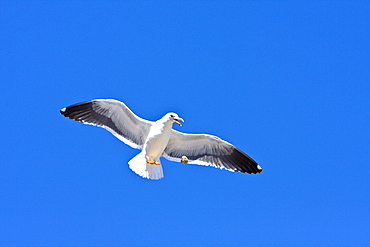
point(152, 162)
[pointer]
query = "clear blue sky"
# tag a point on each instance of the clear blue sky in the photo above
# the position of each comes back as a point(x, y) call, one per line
point(286, 82)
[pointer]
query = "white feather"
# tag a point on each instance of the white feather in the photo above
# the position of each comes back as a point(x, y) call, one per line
point(139, 165)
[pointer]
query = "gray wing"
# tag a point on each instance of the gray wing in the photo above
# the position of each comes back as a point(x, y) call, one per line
point(112, 115)
point(209, 150)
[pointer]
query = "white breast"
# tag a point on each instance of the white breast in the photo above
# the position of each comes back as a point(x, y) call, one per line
point(157, 140)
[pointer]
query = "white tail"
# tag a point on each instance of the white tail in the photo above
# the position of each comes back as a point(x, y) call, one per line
point(140, 167)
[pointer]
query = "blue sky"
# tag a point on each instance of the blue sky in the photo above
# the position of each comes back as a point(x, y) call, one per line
point(286, 82)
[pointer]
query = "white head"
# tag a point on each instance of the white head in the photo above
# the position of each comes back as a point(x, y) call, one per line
point(171, 116)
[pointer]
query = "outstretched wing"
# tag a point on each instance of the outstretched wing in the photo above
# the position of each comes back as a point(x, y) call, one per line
point(209, 150)
point(114, 116)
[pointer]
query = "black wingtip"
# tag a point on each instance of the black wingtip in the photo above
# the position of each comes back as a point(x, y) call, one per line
point(76, 109)
point(245, 163)
point(63, 111)
point(259, 169)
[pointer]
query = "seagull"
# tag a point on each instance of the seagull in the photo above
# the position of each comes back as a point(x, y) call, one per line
point(157, 138)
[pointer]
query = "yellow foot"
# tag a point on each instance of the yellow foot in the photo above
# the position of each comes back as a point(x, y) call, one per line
point(152, 162)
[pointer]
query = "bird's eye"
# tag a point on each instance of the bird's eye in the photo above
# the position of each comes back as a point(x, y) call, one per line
point(172, 115)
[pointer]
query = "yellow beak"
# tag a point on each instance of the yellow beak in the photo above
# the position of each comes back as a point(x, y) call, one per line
point(177, 121)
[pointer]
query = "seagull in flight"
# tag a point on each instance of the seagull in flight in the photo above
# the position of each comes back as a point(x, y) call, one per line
point(157, 138)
